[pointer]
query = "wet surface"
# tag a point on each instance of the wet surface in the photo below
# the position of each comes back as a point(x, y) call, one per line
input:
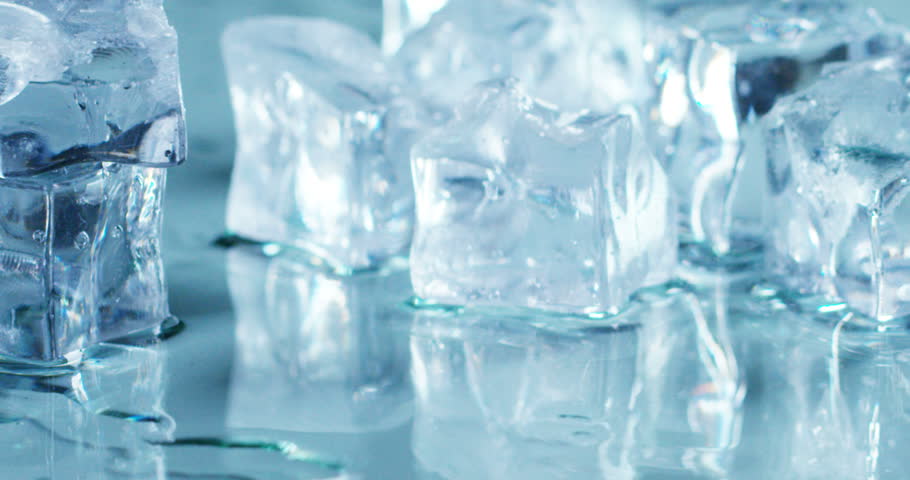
point(293, 373)
point(281, 372)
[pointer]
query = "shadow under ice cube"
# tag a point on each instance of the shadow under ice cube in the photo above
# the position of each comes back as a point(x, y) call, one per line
point(838, 173)
point(720, 69)
point(89, 101)
point(324, 133)
point(521, 205)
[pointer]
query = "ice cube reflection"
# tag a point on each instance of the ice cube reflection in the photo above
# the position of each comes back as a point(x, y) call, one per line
point(102, 419)
point(833, 401)
point(659, 394)
point(692, 386)
point(317, 352)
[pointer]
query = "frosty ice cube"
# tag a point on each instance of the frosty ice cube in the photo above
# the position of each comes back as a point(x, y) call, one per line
point(720, 68)
point(87, 82)
point(329, 352)
point(838, 172)
point(323, 140)
point(402, 17)
point(89, 101)
point(79, 258)
point(521, 205)
point(573, 53)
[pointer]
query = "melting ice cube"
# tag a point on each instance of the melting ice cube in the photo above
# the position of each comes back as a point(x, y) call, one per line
point(719, 69)
point(324, 132)
point(838, 176)
point(89, 100)
point(85, 82)
point(522, 205)
point(577, 54)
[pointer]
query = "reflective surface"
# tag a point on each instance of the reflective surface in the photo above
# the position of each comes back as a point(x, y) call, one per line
point(733, 386)
point(286, 372)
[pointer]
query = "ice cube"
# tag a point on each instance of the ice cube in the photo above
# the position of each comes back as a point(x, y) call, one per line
point(838, 174)
point(91, 100)
point(85, 82)
point(402, 17)
point(521, 205)
point(80, 258)
point(329, 352)
point(719, 69)
point(324, 133)
point(576, 54)
point(22, 31)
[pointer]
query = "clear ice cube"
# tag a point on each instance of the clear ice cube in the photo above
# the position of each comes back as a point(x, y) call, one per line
point(323, 139)
point(838, 174)
point(521, 205)
point(329, 352)
point(402, 17)
point(577, 54)
point(86, 82)
point(24, 30)
point(89, 101)
point(721, 68)
point(80, 258)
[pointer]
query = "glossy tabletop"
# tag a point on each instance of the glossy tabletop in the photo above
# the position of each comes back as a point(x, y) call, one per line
point(282, 371)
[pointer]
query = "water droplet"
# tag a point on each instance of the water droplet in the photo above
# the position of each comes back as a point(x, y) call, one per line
point(39, 236)
point(82, 240)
